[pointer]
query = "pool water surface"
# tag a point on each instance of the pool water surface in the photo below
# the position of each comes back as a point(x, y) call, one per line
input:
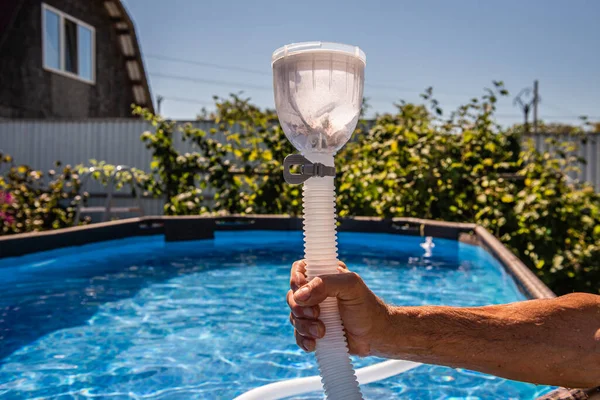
point(141, 318)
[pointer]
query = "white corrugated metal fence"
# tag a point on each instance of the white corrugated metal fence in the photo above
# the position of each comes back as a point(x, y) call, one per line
point(40, 143)
point(587, 147)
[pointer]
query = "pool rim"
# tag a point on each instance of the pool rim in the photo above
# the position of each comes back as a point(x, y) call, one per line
point(181, 228)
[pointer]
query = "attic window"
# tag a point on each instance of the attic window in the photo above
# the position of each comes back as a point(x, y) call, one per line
point(68, 45)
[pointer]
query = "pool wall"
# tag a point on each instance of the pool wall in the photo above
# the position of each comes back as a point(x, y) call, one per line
point(199, 227)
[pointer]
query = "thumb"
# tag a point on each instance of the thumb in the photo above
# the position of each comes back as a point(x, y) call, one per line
point(346, 287)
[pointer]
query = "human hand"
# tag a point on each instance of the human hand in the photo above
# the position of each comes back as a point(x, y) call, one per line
point(365, 315)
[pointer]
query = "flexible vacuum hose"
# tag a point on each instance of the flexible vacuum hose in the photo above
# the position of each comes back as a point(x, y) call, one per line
point(320, 252)
point(298, 386)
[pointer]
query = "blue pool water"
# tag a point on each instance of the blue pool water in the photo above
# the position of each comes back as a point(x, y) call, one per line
point(140, 318)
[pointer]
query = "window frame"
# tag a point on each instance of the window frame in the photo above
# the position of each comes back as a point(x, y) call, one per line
point(61, 38)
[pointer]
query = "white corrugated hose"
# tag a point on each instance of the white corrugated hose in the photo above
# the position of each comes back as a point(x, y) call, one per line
point(298, 386)
point(320, 253)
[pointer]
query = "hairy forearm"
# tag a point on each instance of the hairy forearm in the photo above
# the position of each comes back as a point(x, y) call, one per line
point(554, 341)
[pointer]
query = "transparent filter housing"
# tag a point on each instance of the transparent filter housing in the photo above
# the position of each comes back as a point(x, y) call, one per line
point(318, 95)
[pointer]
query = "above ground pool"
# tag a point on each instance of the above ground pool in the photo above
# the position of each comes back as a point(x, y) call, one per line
point(144, 319)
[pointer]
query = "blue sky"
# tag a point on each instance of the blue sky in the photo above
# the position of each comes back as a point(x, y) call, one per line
point(458, 47)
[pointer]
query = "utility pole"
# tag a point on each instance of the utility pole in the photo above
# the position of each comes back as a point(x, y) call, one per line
point(536, 100)
point(522, 101)
point(159, 100)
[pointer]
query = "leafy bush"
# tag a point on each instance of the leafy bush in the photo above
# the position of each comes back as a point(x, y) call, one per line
point(29, 203)
point(557, 223)
point(466, 169)
point(408, 164)
point(236, 168)
point(102, 173)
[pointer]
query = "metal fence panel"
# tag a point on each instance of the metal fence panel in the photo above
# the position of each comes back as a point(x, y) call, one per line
point(587, 147)
point(40, 143)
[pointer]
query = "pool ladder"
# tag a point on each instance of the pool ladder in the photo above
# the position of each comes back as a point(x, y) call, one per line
point(108, 208)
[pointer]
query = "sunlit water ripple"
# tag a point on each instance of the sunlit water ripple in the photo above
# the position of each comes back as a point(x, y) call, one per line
point(139, 318)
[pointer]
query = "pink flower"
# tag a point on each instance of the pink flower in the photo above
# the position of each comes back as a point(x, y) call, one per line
point(5, 198)
point(9, 219)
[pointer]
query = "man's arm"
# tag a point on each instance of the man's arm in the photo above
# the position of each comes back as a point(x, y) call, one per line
point(553, 341)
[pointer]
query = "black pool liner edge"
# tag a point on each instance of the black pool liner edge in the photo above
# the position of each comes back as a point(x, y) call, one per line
point(201, 227)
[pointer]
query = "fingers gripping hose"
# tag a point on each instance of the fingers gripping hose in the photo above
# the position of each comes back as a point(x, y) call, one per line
point(320, 252)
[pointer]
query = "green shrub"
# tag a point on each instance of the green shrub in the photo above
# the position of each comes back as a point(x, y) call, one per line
point(236, 168)
point(466, 169)
point(33, 201)
point(410, 163)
